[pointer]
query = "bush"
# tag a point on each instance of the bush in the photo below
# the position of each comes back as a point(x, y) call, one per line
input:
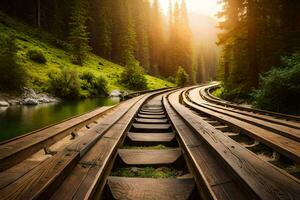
point(36, 56)
point(133, 77)
point(12, 74)
point(182, 78)
point(65, 83)
point(279, 89)
point(96, 86)
point(100, 86)
point(171, 79)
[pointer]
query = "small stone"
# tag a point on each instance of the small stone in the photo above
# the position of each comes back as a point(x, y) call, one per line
point(4, 104)
point(134, 169)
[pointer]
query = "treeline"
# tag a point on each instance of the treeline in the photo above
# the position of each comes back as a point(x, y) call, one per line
point(124, 31)
point(256, 34)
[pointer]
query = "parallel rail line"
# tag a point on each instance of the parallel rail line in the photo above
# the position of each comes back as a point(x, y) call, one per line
point(208, 149)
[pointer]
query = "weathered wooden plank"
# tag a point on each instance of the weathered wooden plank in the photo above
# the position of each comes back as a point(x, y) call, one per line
point(19, 149)
point(153, 137)
point(151, 121)
point(42, 180)
point(151, 113)
point(152, 116)
point(149, 157)
point(147, 188)
point(152, 110)
point(138, 127)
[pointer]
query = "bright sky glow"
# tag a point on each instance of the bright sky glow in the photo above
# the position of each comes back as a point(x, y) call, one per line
point(205, 7)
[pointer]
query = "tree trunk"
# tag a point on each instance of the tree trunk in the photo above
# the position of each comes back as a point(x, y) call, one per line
point(226, 71)
point(252, 40)
point(39, 13)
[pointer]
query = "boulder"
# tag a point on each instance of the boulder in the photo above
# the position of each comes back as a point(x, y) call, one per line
point(4, 104)
point(115, 93)
point(29, 93)
point(45, 98)
point(30, 101)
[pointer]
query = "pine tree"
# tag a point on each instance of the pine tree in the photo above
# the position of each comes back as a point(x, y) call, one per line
point(128, 36)
point(79, 36)
point(180, 44)
point(156, 38)
point(142, 32)
point(104, 18)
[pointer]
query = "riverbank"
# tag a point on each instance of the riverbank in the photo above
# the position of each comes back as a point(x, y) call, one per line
point(27, 97)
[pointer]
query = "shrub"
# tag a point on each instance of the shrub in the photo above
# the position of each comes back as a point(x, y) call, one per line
point(100, 86)
point(36, 56)
point(182, 78)
point(96, 86)
point(12, 74)
point(65, 83)
point(171, 79)
point(133, 77)
point(279, 89)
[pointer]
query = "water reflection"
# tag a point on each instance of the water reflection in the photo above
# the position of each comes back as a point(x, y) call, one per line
point(17, 120)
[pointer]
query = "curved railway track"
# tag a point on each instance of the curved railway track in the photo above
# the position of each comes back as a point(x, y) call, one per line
point(272, 139)
point(168, 144)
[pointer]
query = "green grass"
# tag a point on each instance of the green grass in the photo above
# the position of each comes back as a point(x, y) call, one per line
point(57, 57)
point(157, 147)
point(146, 172)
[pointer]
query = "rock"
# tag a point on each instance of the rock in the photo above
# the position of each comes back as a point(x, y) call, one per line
point(134, 169)
point(13, 102)
point(29, 93)
point(45, 98)
point(30, 101)
point(4, 104)
point(115, 93)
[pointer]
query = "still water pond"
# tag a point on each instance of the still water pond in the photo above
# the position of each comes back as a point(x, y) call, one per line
point(18, 120)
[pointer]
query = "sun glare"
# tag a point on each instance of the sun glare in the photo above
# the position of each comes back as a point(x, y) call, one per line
point(205, 7)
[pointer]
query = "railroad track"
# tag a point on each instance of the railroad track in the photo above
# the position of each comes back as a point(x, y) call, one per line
point(275, 140)
point(168, 144)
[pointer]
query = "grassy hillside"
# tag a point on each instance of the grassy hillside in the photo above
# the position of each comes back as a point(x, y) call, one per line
point(58, 56)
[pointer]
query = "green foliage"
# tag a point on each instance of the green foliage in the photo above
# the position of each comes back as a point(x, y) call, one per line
point(182, 78)
point(279, 89)
point(36, 56)
point(12, 74)
point(133, 77)
point(65, 83)
point(37, 77)
point(146, 172)
point(95, 86)
point(79, 36)
point(171, 79)
point(218, 92)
